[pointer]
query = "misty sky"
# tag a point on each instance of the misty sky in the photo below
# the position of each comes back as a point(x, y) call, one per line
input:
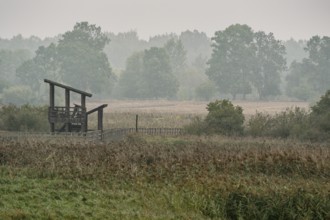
point(299, 19)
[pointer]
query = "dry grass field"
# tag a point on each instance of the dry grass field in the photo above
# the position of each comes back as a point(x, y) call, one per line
point(174, 114)
point(190, 107)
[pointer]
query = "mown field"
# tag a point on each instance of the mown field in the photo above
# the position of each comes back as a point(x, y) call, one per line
point(145, 177)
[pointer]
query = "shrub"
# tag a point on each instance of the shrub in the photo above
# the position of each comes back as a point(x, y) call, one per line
point(196, 127)
point(323, 106)
point(320, 117)
point(224, 118)
point(289, 123)
point(24, 118)
point(259, 124)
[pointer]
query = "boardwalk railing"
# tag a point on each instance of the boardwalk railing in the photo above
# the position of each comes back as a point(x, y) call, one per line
point(105, 135)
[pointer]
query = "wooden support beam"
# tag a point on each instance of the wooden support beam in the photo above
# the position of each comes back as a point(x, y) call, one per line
point(67, 109)
point(83, 101)
point(84, 127)
point(137, 123)
point(52, 104)
point(97, 108)
point(100, 119)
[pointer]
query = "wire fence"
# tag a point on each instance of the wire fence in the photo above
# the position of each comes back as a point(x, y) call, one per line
point(119, 133)
point(105, 135)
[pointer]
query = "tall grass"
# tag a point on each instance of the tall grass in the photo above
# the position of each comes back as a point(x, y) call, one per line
point(175, 178)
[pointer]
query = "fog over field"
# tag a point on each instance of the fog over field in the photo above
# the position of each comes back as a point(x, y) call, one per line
point(299, 19)
point(156, 49)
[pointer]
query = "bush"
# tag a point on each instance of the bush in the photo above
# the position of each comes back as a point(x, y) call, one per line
point(320, 116)
point(24, 118)
point(289, 123)
point(259, 124)
point(196, 127)
point(224, 118)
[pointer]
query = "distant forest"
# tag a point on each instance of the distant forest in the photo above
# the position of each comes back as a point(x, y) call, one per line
point(235, 63)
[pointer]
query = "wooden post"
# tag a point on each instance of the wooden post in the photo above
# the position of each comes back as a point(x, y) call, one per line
point(83, 101)
point(100, 119)
point(52, 104)
point(84, 125)
point(136, 123)
point(100, 122)
point(67, 110)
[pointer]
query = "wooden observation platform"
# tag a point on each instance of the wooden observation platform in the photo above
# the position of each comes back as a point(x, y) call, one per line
point(71, 118)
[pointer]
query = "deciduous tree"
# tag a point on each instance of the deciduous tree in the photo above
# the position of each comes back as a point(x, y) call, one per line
point(269, 64)
point(77, 59)
point(311, 77)
point(230, 66)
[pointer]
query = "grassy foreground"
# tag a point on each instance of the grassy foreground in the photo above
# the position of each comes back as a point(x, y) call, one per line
point(165, 178)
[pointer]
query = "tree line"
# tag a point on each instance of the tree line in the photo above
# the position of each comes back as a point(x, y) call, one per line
point(236, 62)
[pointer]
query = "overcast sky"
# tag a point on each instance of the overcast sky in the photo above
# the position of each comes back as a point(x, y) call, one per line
point(299, 19)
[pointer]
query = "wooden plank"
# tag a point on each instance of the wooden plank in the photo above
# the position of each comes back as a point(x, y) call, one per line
point(51, 104)
point(100, 119)
point(67, 109)
point(97, 109)
point(67, 87)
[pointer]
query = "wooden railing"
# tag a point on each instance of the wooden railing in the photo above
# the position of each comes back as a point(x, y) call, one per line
point(75, 114)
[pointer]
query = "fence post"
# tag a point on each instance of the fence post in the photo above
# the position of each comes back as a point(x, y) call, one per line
point(136, 123)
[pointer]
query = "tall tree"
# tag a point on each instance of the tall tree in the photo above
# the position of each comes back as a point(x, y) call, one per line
point(130, 80)
point(295, 50)
point(177, 55)
point(9, 61)
point(319, 55)
point(44, 65)
point(269, 63)
point(122, 46)
point(231, 63)
point(148, 74)
point(158, 79)
point(299, 80)
point(197, 45)
point(78, 59)
point(83, 62)
point(311, 77)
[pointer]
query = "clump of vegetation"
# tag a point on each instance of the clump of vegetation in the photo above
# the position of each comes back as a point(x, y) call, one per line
point(321, 114)
point(293, 123)
point(23, 118)
point(197, 126)
point(297, 123)
point(223, 118)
